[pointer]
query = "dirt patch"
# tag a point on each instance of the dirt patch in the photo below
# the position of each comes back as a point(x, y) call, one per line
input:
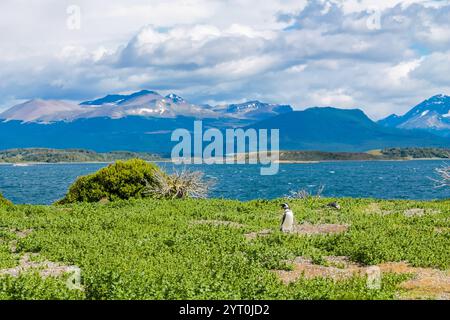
point(442, 230)
point(218, 223)
point(425, 283)
point(374, 208)
point(19, 234)
point(319, 229)
point(414, 212)
point(337, 268)
point(254, 235)
point(30, 262)
point(44, 268)
point(418, 212)
point(305, 229)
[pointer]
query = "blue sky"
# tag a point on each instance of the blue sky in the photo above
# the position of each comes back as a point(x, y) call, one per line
point(380, 56)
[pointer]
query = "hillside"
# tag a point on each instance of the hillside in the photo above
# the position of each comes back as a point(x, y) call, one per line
point(137, 134)
point(144, 103)
point(332, 129)
point(217, 249)
point(325, 129)
point(432, 115)
point(143, 122)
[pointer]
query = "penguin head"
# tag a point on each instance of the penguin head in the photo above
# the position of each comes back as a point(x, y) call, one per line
point(285, 206)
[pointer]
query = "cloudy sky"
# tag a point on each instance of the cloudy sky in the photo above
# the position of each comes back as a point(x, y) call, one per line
point(382, 56)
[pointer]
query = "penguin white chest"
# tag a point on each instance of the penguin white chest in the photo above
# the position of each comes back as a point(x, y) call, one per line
point(287, 224)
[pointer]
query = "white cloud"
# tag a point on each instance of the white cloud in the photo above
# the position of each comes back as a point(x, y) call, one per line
point(286, 51)
point(398, 73)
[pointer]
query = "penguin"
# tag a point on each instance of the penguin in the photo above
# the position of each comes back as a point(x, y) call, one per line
point(334, 205)
point(287, 223)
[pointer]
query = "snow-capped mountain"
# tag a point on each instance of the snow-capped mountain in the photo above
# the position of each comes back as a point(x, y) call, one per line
point(175, 99)
point(144, 121)
point(431, 115)
point(144, 103)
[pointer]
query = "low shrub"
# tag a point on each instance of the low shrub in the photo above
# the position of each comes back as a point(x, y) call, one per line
point(121, 180)
point(136, 179)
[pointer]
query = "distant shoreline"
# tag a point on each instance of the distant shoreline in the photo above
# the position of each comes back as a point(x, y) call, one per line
point(40, 156)
point(363, 160)
point(25, 164)
point(69, 162)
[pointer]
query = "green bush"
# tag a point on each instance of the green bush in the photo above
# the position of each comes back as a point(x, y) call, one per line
point(121, 180)
point(4, 202)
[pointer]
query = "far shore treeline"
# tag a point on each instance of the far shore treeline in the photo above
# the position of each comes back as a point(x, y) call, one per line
point(44, 155)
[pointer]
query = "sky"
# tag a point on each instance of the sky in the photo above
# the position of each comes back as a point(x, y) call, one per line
point(380, 56)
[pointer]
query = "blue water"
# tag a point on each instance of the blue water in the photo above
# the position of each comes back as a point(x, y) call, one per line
point(45, 183)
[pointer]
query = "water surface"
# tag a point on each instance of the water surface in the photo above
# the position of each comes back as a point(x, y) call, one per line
point(46, 183)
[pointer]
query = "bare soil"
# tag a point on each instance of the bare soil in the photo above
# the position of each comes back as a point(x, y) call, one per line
point(219, 223)
point(44, 268)
point(426, 283)
point(307, 229)
point(30, 261)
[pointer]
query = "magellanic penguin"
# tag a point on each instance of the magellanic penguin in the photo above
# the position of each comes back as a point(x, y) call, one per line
point(287, 223)
point(334, 205)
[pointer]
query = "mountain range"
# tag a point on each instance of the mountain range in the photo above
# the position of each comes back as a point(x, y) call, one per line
point(144, 120)
point(432, 115)
point(144, 103)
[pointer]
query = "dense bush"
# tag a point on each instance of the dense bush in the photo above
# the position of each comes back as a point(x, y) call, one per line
point(136, 179)
point(4, 202)
point(121, 180)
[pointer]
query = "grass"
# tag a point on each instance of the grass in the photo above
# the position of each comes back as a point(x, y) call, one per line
point(153, 249)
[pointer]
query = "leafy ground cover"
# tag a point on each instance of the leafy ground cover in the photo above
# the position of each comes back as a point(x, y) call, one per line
point(200, 249)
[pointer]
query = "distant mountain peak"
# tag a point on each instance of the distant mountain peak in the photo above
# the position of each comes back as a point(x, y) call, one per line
point(432, 115)
point(175, 98)
point(142, 93)
point(117, 98)
point(328, 128)
point(257, 109)
point(439, 96)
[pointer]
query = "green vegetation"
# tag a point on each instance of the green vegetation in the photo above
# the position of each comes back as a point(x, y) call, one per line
point(151, 241)
point(135, 179)
point(157, 249)
point(69, 155)
point(4, 202)
point(416, 153)
point(324, 156)
point(121, 180)
point(79, 155)
point(385, 154)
